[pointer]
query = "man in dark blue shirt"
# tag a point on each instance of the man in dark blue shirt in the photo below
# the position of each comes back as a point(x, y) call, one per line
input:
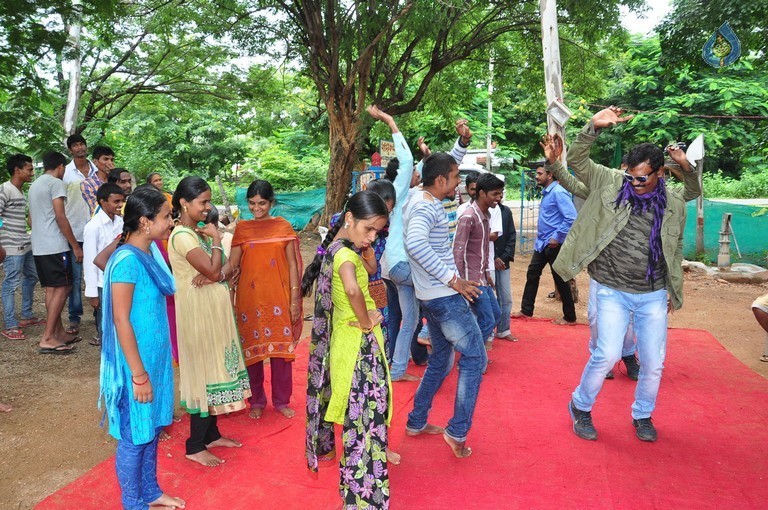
point(556, 215)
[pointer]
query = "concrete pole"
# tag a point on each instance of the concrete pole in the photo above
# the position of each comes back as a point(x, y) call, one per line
point(553, 75)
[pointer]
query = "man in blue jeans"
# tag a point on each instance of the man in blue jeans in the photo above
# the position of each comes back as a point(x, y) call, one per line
point(443, 295)
point(470, 251)
point(395, 263)
point(628, 235)
point(19, 264)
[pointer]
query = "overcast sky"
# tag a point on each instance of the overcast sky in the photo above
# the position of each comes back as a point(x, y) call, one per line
point(657, 9)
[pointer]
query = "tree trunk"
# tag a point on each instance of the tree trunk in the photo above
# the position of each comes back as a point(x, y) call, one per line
point(344, 143)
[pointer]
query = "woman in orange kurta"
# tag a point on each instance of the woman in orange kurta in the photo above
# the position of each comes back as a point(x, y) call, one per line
point(268, 298)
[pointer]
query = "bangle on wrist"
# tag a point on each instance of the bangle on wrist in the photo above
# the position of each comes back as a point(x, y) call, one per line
point(217, 248)
point(133, 379)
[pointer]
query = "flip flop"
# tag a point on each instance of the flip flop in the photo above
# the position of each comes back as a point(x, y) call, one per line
point(96, 341)
point(74, 340)
point(72, 329)
point(32, 321)
point(14, 334)
point(59, 349)
point(764, 358)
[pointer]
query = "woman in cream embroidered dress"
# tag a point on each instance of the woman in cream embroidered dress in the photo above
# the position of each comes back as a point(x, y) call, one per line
point(213, 379)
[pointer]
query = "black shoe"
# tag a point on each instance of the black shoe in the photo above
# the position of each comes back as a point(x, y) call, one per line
point(551, 295)
point(582, 423)
point(610, 375)
point(633, 367)
point(644, 429)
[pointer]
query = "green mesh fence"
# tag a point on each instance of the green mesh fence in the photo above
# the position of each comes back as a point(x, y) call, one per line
point(298, 208)
point(748, 223)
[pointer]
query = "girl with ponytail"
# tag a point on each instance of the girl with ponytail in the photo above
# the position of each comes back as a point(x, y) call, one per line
point(347, 352)
point(136, 376)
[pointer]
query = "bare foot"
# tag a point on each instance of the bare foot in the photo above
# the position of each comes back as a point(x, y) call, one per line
point(225, 442)
point(459, 450)
point(393, 457)
point(176, 418)
point(287, 412)
point(54, 345)
point(205, 458)
point(406, 377)
point(256, 413)
point(164, 436)
point(166, 501)
point(5, 408)
point(429, 429)
point(328, 457)
point(563, 322)
point(519, 315)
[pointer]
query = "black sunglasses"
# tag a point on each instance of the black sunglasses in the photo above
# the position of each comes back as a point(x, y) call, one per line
point(639, 178)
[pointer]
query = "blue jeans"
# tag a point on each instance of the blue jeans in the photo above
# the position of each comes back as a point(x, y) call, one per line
point(628, 348)
point(486, 309)
point(650, 323)
point(136, 465)
point(19, 269)
point(97, 313)
point(76, 294)
point(393, 321)
point(400, 275)
point(452, 325)
point(504, 298)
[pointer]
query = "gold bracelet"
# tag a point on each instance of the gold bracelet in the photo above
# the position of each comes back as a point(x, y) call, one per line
point(295, 288)
point(367, 331)
point(368, 258)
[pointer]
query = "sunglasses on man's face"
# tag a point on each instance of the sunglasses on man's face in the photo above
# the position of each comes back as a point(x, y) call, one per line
point(639, 178)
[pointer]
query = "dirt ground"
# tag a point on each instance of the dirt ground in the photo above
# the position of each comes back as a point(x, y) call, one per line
point(52, 436)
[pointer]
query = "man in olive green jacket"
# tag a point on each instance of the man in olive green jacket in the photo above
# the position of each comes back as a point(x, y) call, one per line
point(629, 235)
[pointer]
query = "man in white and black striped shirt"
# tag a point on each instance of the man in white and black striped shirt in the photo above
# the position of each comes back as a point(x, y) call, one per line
point(19, 266)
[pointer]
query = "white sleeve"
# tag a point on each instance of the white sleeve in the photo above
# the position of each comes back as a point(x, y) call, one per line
point(90, 271)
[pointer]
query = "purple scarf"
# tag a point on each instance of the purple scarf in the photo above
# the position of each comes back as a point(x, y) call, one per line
point(656, 202)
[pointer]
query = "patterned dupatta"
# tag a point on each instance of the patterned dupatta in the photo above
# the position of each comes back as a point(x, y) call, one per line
point(320, 436)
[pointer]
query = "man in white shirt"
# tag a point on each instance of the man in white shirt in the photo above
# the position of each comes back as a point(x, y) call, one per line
point(103, 228)
point(76, 209)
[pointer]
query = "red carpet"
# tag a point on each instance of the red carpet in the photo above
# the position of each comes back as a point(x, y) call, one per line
point(711, 453)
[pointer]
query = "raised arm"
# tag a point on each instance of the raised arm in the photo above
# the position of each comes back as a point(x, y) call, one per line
point(404, 156)
point(459, 149)
point(691, 185)
point(587, 171)
point(553, 149)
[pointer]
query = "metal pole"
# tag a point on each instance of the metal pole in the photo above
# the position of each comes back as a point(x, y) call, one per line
point(700, 210)
point(488, 136)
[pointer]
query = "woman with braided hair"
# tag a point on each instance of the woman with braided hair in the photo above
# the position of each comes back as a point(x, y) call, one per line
point(347, 355)
point(136, 374)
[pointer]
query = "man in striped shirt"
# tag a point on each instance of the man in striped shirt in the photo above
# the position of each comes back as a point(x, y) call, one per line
point(443, 295)
point(19, 265)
